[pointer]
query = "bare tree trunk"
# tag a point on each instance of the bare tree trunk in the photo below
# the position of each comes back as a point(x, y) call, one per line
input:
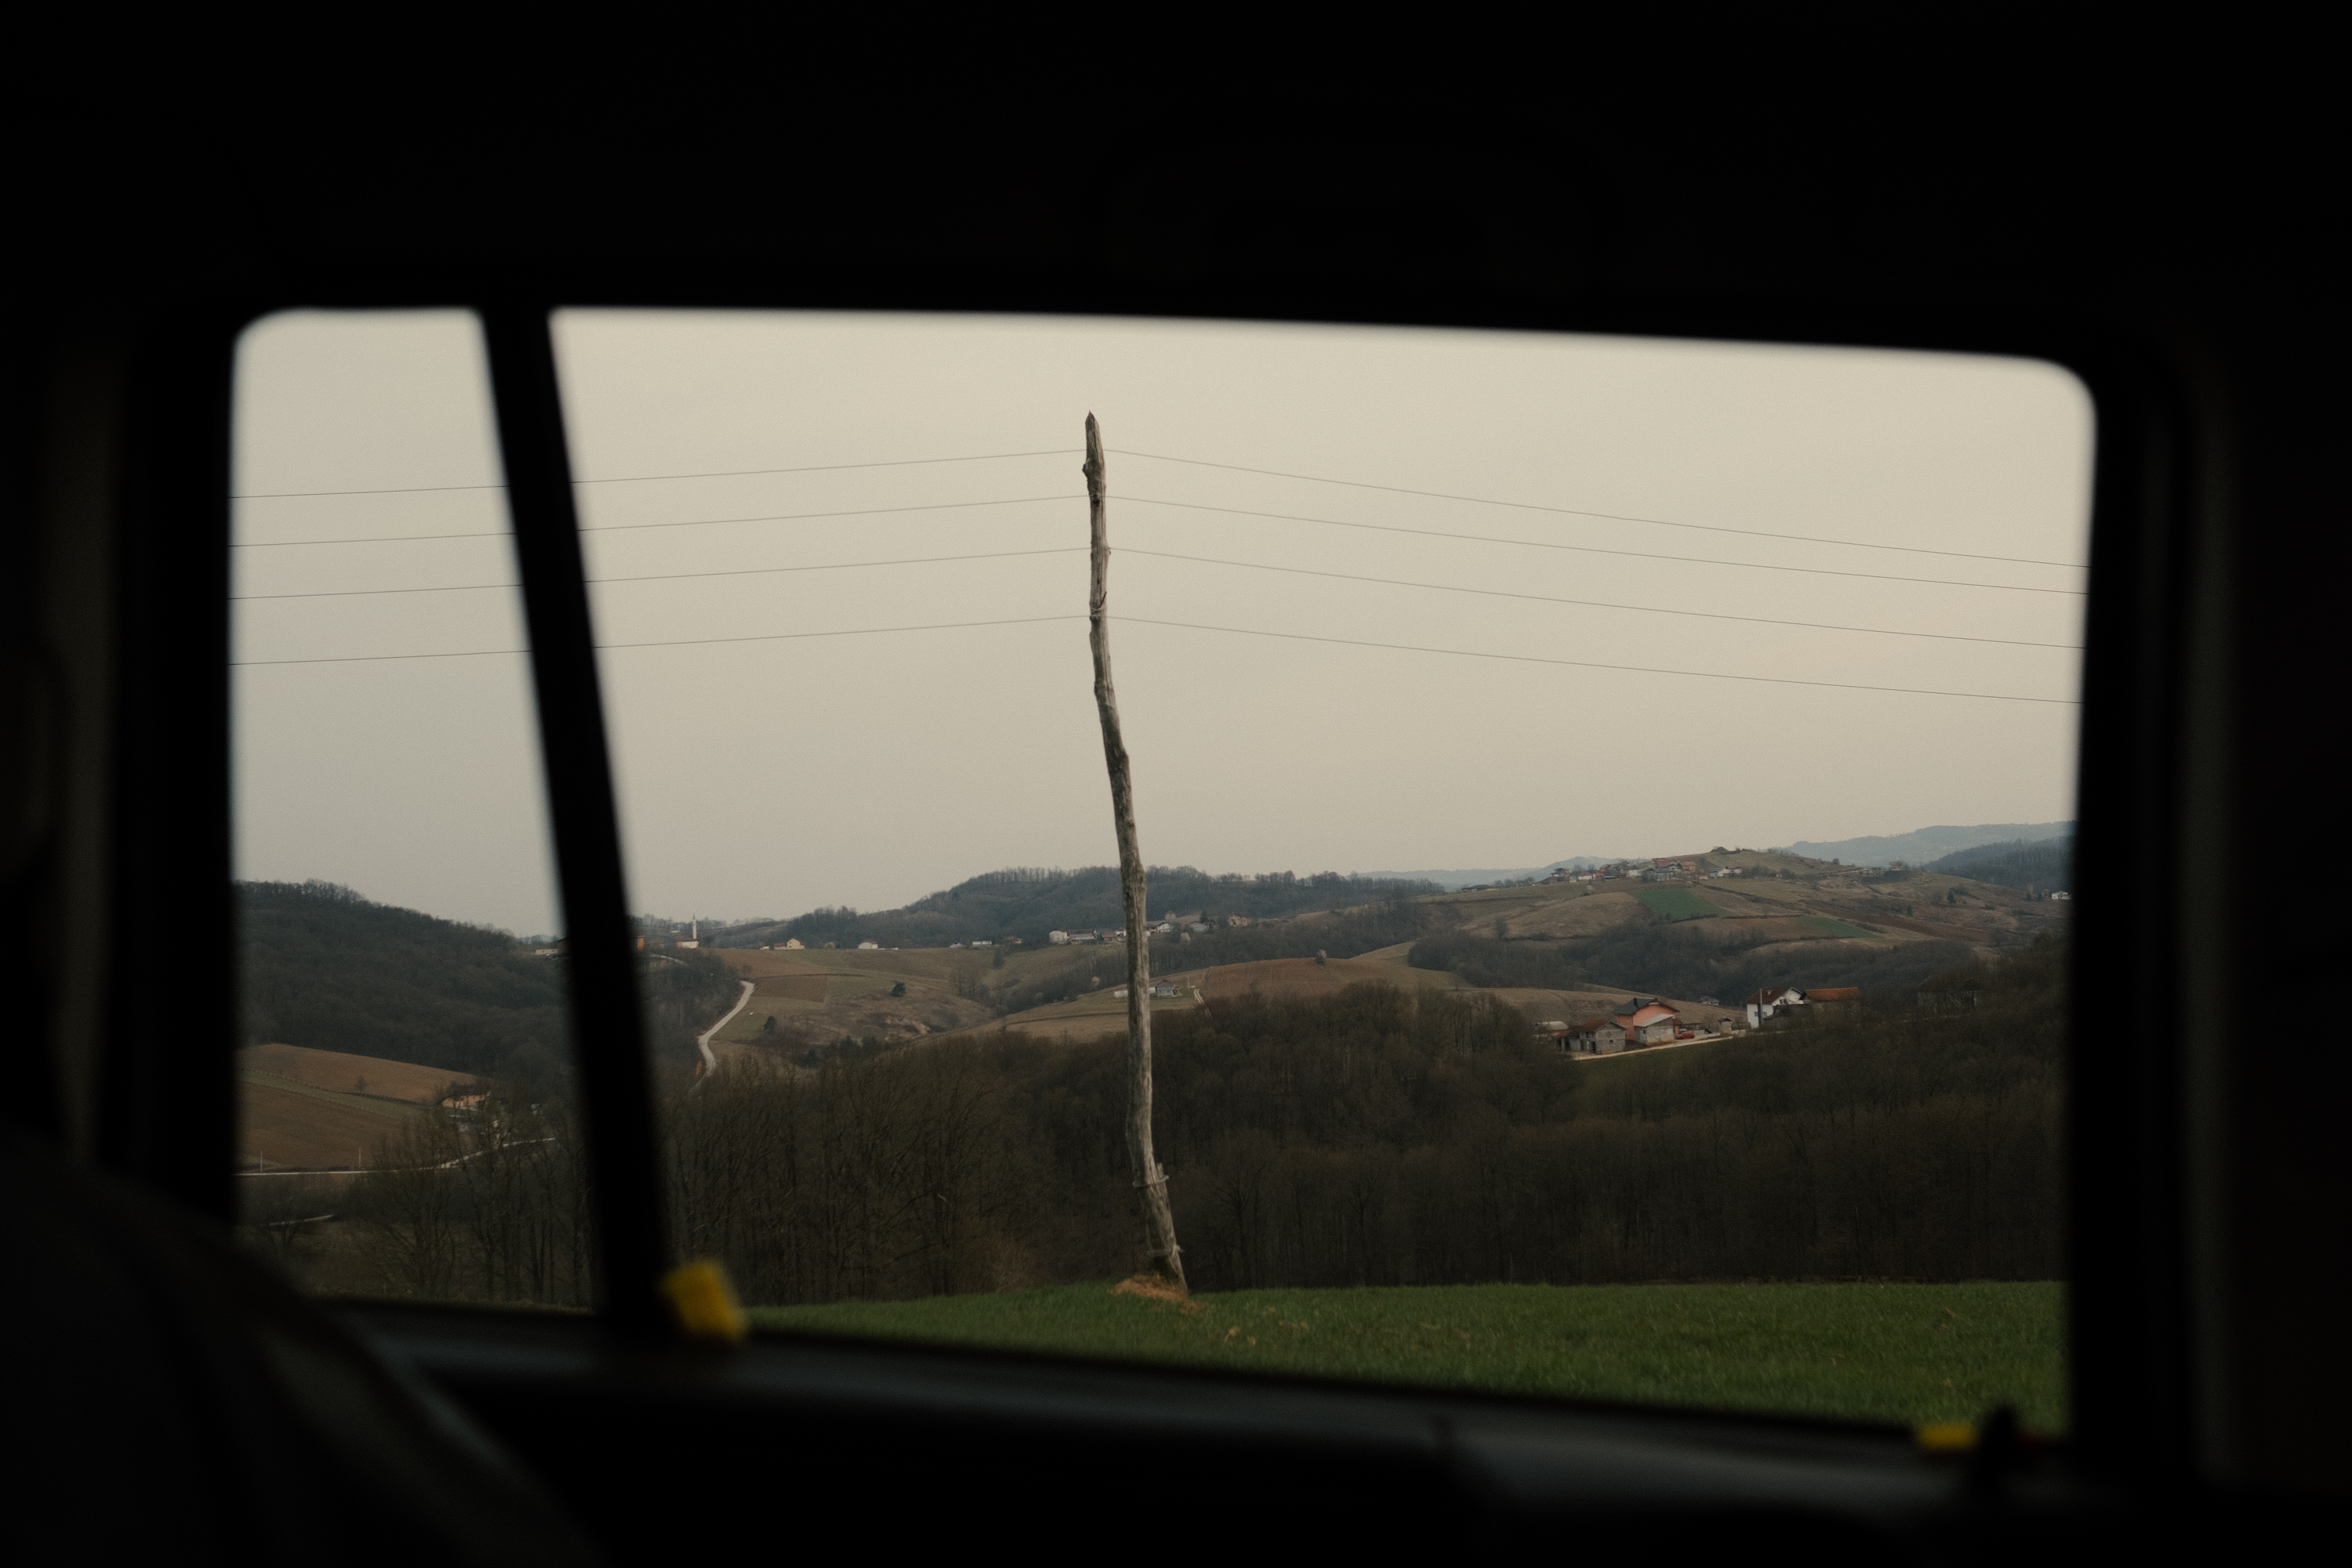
point(1163, 1256)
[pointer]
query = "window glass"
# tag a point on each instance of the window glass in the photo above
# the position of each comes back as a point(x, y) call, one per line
point(406, 1107)
point(1607, 804)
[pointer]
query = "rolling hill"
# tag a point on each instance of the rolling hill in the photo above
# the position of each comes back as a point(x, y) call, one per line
point(1028, 902)
point(1926, 844)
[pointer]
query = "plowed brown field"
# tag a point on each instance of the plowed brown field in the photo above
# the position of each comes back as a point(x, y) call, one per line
point(291, 1126)
point(344, 1073)
point(796, 987)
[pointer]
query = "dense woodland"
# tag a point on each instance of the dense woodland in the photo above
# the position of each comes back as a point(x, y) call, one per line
point(326, 968)
point(1375, 1137)
point(2044, 867)
point(1030, 901)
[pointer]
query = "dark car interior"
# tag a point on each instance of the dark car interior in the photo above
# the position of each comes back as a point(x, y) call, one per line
point(169, 1395)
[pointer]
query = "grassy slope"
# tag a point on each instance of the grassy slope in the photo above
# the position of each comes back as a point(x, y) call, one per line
point(1676, 904)
point(1904, 1354)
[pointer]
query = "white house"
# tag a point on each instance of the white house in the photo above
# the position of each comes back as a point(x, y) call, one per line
point(1058, 937)
point(1770, 1000)
point(869, 947)
point(792, 944)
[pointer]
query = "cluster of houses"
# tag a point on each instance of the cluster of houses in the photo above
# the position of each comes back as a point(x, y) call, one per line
point(1175, 925)
point(1641, 1021)
point(1653, 871)
point(1647, 1021)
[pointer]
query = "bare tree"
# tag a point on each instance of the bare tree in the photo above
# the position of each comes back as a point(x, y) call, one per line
point(1163, 1257)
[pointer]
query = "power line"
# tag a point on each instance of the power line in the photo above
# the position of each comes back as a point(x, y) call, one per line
point(675, 576)
point(1589, 664)
point(647, 478)
point(1188, 626)
point(1154, 457)
point(1591, 604)
point(1596, 550)
point(679, 642)
point(1610, 516)
point(1172, 555)
point(688, 522)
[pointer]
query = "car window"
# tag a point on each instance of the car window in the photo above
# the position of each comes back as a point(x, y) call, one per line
point(407, 1125)
point(1606, 813)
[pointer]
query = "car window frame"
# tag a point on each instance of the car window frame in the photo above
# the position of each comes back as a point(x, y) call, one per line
point(168, 1115)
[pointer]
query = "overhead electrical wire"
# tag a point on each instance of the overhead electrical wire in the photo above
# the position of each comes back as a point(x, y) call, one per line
point(1610, 516)
point(685, 523)
point(675, 642)
point(1590, 664)
point(1186, 625)
point(648, 479)
point(1173, 555)
point(677, 576)
point(1190, 462)
point(1590, 604)
point(1198, 505)
point(1597, 549)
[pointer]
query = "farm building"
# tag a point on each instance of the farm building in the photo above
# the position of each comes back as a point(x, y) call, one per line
point(1058, 937)
point(1593, 1037)
point(1645, 1021)
point(1237, 919)
point(1835, 997)
point(869, 947)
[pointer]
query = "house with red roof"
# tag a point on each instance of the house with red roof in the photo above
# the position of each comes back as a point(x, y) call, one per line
point(1646, 1021)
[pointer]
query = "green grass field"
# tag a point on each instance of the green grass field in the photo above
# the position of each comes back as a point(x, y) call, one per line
point(1675, 904)
point(1902, 1354)
point(1829, 925)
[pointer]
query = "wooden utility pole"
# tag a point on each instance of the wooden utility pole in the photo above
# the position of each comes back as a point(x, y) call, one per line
point(1163, 1257)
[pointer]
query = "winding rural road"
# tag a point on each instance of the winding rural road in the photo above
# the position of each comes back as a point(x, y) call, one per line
point(702, 1040)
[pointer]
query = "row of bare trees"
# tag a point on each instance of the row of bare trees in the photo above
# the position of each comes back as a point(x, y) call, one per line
point(489, 1204)
point(1374, 1137)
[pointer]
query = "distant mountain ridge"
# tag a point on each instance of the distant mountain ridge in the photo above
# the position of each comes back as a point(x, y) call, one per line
point(1928, 844)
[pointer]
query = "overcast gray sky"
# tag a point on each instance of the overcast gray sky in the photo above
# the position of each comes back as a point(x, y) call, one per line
point(769, 776)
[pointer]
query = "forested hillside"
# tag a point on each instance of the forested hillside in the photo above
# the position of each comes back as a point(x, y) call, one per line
point(1382, 1137)
point(326, 968)
point(1028, 902)
point(1378, 1136)
point(2046, 865)
point(1672, 961)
